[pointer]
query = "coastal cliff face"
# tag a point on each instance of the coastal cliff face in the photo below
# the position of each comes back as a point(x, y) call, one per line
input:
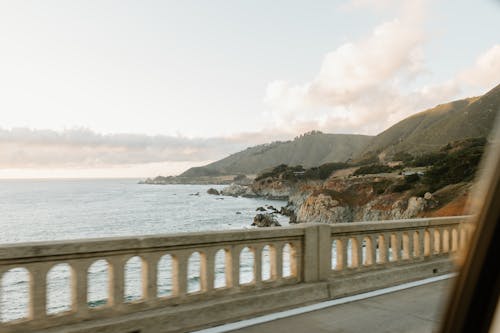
point(435, 184)
point(360, 198)
point(273, 188)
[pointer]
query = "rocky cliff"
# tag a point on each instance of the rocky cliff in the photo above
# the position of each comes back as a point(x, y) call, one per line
point(436, 184)
point(360, 199)
point(369, 198)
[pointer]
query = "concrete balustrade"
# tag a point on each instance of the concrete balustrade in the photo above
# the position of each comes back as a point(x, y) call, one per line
point(395, 242)
point(277, 260)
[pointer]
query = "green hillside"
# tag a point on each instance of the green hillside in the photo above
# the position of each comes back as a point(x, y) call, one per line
point(311, 149)
point(421, 133)
point(427, 131)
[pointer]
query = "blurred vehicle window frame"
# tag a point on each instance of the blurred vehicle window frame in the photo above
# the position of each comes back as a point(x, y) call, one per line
point(474, 298)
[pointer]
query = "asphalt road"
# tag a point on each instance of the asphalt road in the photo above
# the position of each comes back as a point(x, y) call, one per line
point(417, 309)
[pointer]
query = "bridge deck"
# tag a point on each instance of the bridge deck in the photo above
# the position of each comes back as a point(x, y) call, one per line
point(416, 309)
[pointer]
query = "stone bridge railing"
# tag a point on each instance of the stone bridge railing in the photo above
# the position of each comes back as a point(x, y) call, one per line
point(285, 267)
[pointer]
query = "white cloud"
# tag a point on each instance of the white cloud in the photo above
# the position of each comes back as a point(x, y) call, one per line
point(355, 75)
point(83, 149)
point(355, 68)
point(486, 70)
point(358, 87)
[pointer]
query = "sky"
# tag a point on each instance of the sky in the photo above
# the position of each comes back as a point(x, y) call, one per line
point(140, 88)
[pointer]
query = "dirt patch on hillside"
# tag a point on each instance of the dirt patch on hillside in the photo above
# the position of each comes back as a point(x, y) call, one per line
point(453, 200)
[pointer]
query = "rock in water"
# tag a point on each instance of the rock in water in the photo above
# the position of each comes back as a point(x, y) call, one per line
point(260, 209)
point(274, 210)
point(265, 220)
point(213, 191)
point(236, 190)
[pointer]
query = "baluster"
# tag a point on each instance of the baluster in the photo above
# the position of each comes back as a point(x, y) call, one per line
point(357, 258)
point(394, 247)
point(295, 259)
point(279, 261)
point(411, 244)
point(407, 245)
point(180, 273)
point(38, 290)
point(446, 240)
point(272, 260)
point(428, 241)
point(458, 238)
point(383, 248)
point(399, 247)
point(454, 239)
point(207, 274)
point(417, 243)
point(258, 263)
point(371, 250)
point(235, 266)
point(436, 241)
point(450, 239)
point(79, 286)
point(342, 253)
point(461, 237)
point(150, 276)
point(228, 268)
point(117, 280)
point(442, 232)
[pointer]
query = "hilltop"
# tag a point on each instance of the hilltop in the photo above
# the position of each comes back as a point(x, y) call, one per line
point(310, 149)
point(420, 134)
point(429, 130)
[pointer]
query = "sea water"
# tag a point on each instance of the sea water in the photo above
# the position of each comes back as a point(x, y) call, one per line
point(46, 210)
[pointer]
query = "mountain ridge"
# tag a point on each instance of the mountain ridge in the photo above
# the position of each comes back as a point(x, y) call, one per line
point(310, 149)
point(420, 133)
point(428, 130)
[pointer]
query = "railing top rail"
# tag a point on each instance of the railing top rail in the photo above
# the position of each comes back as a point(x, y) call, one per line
point(50, 250)
point(131, 244)
point(396, 225)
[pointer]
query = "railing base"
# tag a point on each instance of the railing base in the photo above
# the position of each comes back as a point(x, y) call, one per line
point(187, 317)
point(351, 284)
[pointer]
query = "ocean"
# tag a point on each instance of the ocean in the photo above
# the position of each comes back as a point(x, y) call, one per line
point(45, 210)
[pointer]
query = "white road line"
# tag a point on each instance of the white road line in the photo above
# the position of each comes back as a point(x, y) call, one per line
point(322, 305)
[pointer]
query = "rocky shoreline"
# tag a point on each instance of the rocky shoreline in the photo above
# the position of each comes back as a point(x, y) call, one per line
point(266, 216)
point(347, 198)
point(436, 184)
point(201, 180)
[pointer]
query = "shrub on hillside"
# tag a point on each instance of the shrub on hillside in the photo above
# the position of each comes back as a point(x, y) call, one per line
point(275, 172)
point(427, 159)
point(372, 169)
point(323, 171)
point(401, 187)
point(459, 165)
point(294, 173)
point(369, 158)
point(403, 156)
